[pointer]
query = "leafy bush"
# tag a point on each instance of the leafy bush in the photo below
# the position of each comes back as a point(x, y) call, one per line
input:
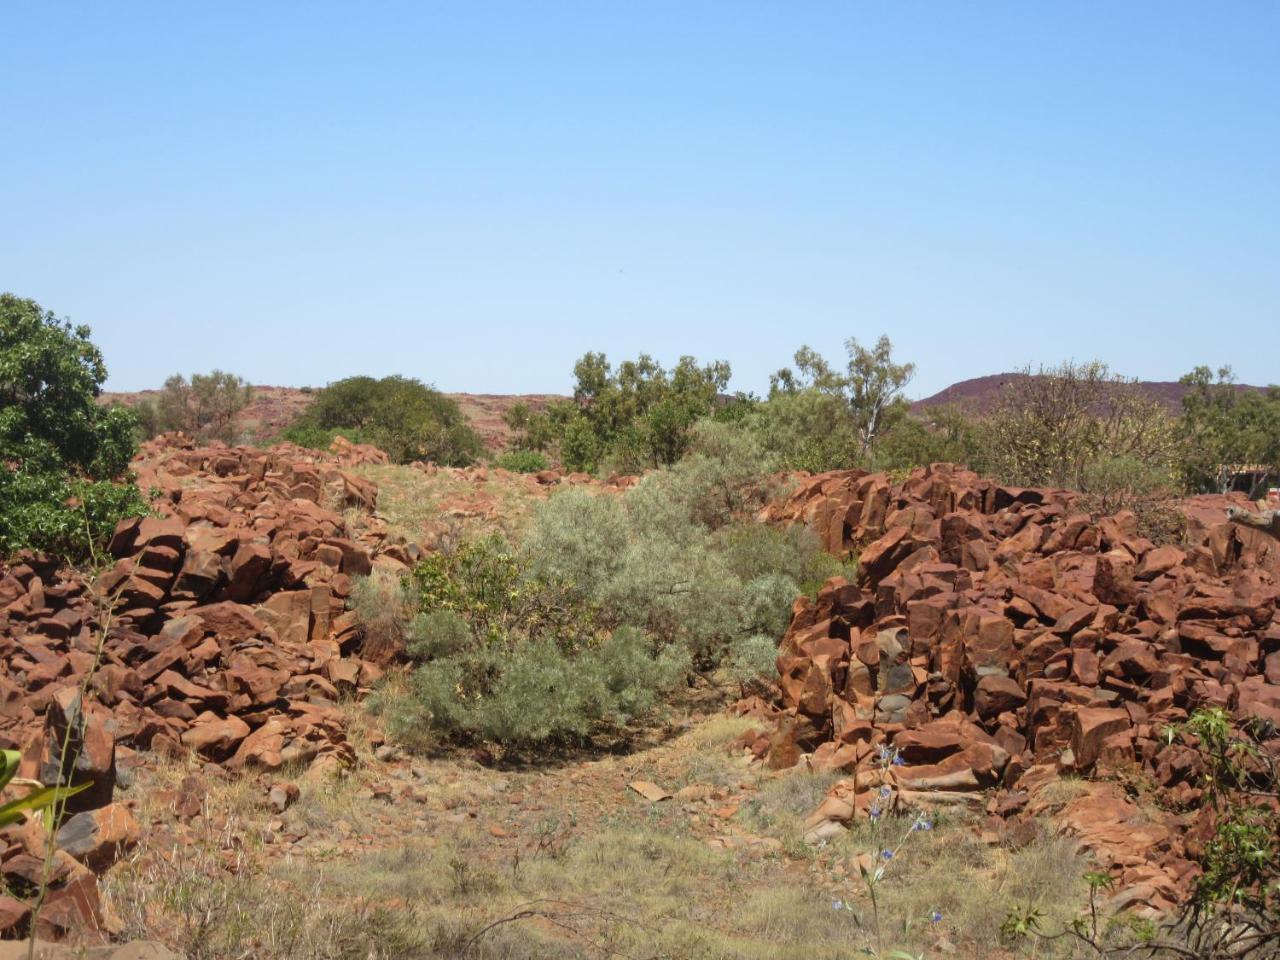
point(321, 438)
point(523, 461)
point(1226, 433)
point(500, 596)
point(202, 407)
point(70, 518)
point(63, 457)
point(943, 435)
point(505, 654)
point(679, 555)
point(402, 416)
point(766, 604)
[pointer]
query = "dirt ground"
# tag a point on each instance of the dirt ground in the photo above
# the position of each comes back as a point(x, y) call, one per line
point(445, 857)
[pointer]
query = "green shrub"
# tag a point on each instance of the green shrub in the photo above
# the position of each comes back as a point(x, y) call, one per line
point(500, 596)
point(63, 457)
point(578, 539)
point(807, 430)
point(603, 606)
point(402, 416)
point(321, 438)
point(383, 604)
point(632, 418)
point(523, 461)
point(755, 550)
point(535, 692)
point(942, 435)
point(766, 604)
point(437, 634)
point(69, 518)
point(753, 661)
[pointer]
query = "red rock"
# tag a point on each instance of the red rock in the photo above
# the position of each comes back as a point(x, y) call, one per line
point(215, 737)
point(90, 756)
point(98, 838)
point(248, 572)
point(14, 918)
point(1160, 560)
point(1090, 727)
point(232, 622)
point(1113, 578)
point(1133, 659)
point(996, 694)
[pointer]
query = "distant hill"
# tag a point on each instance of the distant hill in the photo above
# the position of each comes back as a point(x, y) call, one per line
point(274, 408)
point(981, 394)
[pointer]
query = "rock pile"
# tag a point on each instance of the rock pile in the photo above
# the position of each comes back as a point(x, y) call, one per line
point(997, 638)
point(220, 629)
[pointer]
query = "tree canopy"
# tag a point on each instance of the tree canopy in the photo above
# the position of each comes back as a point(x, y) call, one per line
point(405, 417)
point(60, 450)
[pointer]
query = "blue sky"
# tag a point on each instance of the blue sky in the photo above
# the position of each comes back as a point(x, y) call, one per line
point(477, 193)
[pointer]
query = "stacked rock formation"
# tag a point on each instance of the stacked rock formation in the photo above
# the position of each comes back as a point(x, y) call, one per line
point(221, 629)
point(996, 638)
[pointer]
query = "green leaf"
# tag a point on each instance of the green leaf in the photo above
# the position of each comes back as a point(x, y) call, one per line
point(9, 760)
point(39, 799)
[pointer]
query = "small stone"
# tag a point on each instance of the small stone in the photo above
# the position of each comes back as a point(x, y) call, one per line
point(282, 796)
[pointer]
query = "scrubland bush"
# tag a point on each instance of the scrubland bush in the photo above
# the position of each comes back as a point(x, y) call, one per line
point(604, 605)
point(1226, 433)
point(201, 407)
point(64, 459)
point(321, 438)
point(406, 418)
point(1054, 427)
point(637, 416)
point(523, 461)
point(383, 604)
point(536, 691)
point(753, 661)
point(754, 550)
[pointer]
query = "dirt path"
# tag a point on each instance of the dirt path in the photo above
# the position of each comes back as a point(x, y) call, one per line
point(412, 857)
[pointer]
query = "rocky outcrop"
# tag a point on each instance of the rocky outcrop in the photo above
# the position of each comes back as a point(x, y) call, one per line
point(218, 627)
point(996, 638)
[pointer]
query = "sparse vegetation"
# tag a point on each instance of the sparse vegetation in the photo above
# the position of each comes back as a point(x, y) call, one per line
point(1055, 427)
point(203, 407)
point(635, 417)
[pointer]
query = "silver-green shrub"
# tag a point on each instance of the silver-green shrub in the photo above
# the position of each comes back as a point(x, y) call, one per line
point(753, 661)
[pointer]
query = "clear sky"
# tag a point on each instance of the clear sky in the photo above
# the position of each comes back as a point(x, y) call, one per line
point(476, 193)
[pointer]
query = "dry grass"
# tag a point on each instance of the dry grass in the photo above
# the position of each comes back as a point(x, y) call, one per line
point(425, 507)
point(590, 871)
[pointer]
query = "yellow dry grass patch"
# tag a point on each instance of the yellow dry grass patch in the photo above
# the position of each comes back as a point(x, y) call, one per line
point(424, 507)
point(593, 870)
